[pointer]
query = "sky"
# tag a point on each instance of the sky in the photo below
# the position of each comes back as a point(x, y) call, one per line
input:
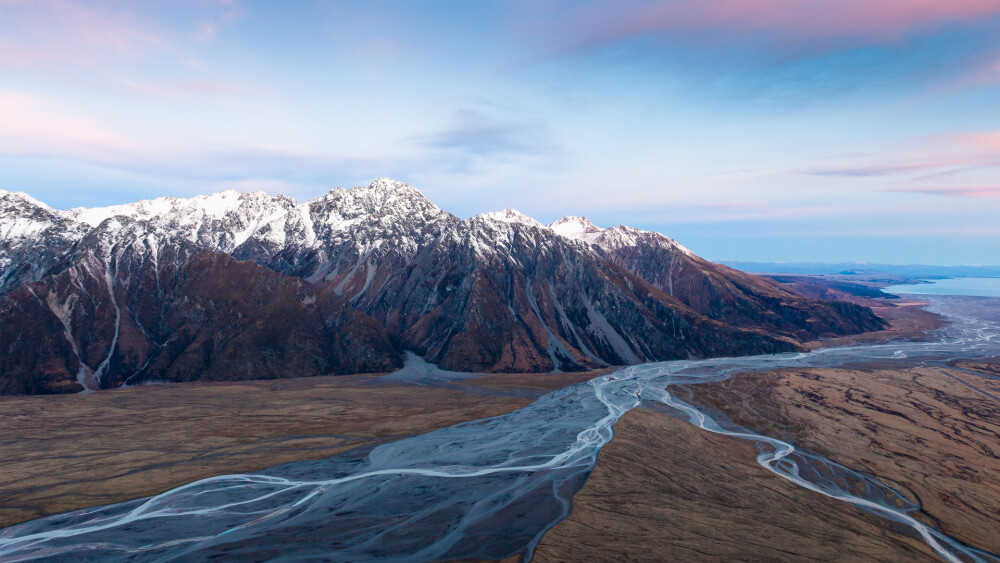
point(758, 130)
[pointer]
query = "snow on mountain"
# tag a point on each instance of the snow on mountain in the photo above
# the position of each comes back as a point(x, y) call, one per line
point(22, 216)
point(13, 196)
point(33, 239)
point(222, 221)
point(340, 236)
point(622, 236)
point(497, 292)
point(386, 209)
point(365, 236)
point(355, 238)
point(319, 239)
point(495, 232)
point(512, 216)
point(576, 228)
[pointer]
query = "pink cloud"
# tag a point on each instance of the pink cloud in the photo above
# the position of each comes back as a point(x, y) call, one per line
point(36, 126)
point(56, 31)
point(986, 141)
point(30, 125)
point(786, 21)
point(62, 32)
point(976, 72)
point(989, 192)
point(117, 45)
point(890, 168)
point(928, 158)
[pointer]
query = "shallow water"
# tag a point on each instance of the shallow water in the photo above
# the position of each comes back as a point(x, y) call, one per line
point(486, 489)
point(970, 287)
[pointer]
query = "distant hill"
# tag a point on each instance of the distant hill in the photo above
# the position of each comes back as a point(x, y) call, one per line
point(908, 270)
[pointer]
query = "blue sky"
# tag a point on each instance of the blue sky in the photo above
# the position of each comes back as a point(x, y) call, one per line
point(797, 130)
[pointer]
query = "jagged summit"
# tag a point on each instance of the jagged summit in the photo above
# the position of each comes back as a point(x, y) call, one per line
point(510, 216)
point(388, 184)
point(576, 228)
point(382, 190)
point(17, 195)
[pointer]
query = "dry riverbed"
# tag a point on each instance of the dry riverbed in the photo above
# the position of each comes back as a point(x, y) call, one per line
point(666, 490)
point(933, 434)
point(64, 452)
point(61, 453)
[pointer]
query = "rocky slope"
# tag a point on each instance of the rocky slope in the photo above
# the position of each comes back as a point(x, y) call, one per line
point(716, 291)
point(500, 292)
point(35, 240)
point(133, 308)
point(336, 284)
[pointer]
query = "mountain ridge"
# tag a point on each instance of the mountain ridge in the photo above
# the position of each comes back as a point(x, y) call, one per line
point(498, 291)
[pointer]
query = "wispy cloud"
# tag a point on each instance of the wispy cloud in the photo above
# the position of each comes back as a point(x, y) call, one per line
point(965, 192)
point(783, 22)
point(985, 140)
point(925, 158)
point(478, 133)
point(32, 125)
point(71, 33)
point(123, 43)
point(40, 127)
point(887, 169)
point(780, 52)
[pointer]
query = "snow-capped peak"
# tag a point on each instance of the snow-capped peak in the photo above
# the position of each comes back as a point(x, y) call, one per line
point(574, 227)
point(510, 216)
point(24, 197)
point(381, 190)
point(388, 184)
point(384, 194)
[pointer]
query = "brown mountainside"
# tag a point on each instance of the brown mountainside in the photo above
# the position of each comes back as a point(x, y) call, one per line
point(150, 312)
point(96, 298)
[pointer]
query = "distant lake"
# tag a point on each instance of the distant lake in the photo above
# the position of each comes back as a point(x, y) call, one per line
point(976, 287)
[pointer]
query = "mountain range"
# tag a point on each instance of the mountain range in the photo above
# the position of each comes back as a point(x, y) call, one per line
point(254, 286)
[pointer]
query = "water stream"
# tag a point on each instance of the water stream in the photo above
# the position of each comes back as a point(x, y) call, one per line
point(486, 489)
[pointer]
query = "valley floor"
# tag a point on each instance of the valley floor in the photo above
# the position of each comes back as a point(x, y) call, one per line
point(662, 488)
point(666, 490)
point(65, 452)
